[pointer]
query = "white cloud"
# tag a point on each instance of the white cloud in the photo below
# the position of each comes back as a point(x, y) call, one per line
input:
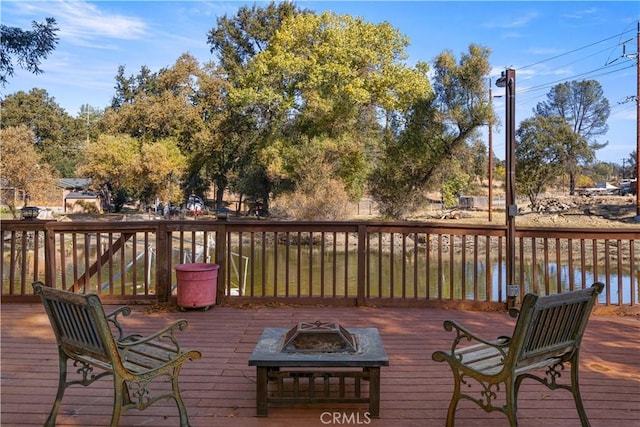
point(582, 13)
point(510, 23)
point(85, 24)
point(546, 51)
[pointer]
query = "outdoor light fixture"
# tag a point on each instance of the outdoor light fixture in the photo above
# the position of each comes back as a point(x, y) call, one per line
point(30, 212)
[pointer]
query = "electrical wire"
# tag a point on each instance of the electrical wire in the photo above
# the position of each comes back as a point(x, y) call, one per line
point(576, 50)
point(586, 73)
point(609, 65)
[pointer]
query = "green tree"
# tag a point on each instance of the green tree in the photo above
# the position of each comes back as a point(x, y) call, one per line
point(160, 170)
point(161, 105)
point(144, 170)
point(26, 48)
point(186, 103)
point(331, 77)
point(436, 129)
point(58, 136)
point(630, 166)
point(246, 128)
point(22, 167)
point(603, 171)
point(113, 161)
point(238, 39)
point(582, 105)
point(541, 154)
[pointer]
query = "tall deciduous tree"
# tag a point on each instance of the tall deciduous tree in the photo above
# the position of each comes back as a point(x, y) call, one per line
point(246, 128)
point(26, 48)
point(436, 128)
point(22, 167)
point(329, 77)
point(112, 161)
point(582, 105)
point(159, 105)
point(184, 102)
point(541, 153)
point(238, 39)
point(58, 136)
point(141, 169)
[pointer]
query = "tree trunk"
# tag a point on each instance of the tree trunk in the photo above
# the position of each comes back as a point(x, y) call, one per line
point(220, 186)
point(572, 183)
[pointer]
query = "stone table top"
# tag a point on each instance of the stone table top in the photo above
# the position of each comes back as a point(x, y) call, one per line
point(371, 352)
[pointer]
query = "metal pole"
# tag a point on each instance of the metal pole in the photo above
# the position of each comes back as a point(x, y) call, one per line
point(508, 81)
point(490, 155)
point(638, 122)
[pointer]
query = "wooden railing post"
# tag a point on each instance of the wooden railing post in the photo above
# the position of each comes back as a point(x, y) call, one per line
point(362, 264)
point(163, 262)
point(221, 259)
point(50, 255)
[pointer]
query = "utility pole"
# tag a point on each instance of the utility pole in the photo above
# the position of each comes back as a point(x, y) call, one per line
point(637, 99)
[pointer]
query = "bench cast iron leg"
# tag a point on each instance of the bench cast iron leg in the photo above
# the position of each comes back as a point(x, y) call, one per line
point(575, 390)
point(62, 383)
point(512, 401)
point(120, 396)
point(451, 412)
point(182, 409)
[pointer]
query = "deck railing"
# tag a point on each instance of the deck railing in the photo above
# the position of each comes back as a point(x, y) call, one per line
point(343, 263)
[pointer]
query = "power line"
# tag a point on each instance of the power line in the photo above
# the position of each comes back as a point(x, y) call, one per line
point(586, 73)
point(576, 50)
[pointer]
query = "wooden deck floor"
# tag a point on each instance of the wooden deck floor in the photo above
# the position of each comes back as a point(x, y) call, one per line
point(219, 389)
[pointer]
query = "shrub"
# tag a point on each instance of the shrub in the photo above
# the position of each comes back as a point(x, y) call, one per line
point(328, 202)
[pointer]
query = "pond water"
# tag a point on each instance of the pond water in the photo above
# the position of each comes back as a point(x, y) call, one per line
point(293, 276)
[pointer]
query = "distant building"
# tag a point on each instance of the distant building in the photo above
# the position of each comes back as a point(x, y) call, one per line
point(76, 196)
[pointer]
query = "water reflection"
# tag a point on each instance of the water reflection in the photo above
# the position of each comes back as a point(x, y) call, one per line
point(282, 273)
point(301, 271)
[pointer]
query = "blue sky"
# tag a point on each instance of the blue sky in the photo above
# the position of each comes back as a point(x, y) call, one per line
point(545, 42)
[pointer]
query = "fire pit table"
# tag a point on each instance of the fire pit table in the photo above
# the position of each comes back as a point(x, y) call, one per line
point(318, 362)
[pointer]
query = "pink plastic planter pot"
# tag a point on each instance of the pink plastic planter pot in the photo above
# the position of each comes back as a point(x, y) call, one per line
point(197, 285)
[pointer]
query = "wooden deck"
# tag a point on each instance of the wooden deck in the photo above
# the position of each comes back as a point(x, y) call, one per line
point(219, 389)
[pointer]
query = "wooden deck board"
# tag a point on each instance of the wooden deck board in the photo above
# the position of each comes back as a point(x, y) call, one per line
point(219, 389)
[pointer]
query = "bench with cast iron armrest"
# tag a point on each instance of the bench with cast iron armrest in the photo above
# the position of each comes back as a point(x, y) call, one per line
point(547, 334)
point(93, 339)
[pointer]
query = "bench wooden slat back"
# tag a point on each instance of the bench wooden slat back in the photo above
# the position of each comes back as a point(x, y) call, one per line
point(553, 325)
point(79, 323)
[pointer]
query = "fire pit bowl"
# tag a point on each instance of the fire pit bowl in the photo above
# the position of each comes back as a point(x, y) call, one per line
point(319, 337)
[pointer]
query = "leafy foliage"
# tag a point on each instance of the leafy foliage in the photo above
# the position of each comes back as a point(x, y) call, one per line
point(139, 169)
point(331, 80)
point(582, 105)
point(541, 153)
point(57, 134)
point(22, 167)
point(26, 48)
point(436, 130)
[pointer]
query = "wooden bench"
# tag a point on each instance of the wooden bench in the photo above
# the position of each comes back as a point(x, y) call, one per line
point(547, 335)
point(93, 339)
